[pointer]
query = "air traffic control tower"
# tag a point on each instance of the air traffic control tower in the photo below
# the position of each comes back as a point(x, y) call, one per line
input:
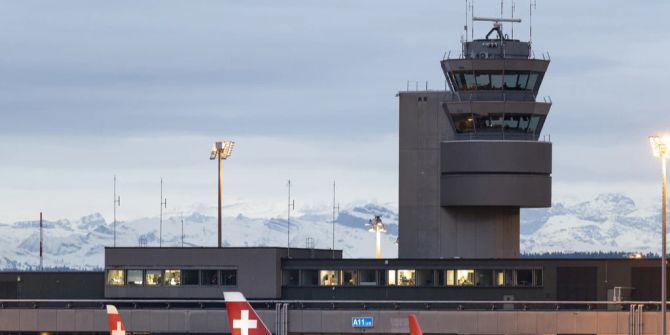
point(470, 157)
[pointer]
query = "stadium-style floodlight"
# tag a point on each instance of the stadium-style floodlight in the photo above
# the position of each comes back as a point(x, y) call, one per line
point(659, 147)
point(377, 226)
point(220, 151)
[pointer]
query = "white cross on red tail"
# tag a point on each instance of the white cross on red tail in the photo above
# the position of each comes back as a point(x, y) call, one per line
point(242, 319)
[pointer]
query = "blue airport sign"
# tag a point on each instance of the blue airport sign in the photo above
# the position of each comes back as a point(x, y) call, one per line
point(362, 322)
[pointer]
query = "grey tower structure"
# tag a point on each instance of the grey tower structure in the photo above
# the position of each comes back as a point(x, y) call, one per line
point(470, 157)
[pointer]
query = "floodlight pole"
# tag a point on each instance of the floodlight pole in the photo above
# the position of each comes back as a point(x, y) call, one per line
point(659, 147)
point(664, 259)
point(218, 158)
point(220, 151)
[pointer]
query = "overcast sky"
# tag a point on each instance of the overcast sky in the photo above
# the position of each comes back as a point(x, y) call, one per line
point(141, 89)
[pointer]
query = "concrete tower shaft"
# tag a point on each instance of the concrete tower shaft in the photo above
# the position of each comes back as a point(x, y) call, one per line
point(470, 157)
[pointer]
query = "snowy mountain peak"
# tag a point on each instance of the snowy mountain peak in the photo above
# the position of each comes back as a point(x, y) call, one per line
point(606, 205)
point(92, 220)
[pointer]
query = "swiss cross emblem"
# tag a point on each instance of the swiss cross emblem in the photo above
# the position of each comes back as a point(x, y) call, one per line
point(243, 323)
point(119, 330)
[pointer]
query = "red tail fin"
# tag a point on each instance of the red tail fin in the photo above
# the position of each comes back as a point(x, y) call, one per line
point(414, 328)
point(114, 321)
point(242, 319)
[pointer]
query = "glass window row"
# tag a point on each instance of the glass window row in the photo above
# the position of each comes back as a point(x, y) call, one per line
point(171, 277)
point(494, 80)
point(409, 277)
point(512, 123)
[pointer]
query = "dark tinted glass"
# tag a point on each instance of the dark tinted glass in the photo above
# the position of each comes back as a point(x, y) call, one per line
point(229, 277)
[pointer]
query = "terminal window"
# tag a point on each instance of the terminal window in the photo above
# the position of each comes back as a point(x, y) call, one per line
point(190, 277)
point(349, 277)
point(115, 277)
point(392, 278)
point(229, 277)
point(450, 275)
point(328, 278)
point(465, 277)
point(172, 277)
point(210, 277)
point(135, 277)
point(154, 277)
point(500, 277)
point(484, 278)
point(406, 278)
point(367, 277)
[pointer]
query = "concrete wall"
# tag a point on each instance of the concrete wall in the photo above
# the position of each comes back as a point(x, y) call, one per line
point(423, 124)
point(52, 285)
point(329, 321)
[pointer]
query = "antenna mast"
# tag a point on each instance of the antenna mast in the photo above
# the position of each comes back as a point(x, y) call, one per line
point(513, 9)
point(291, 205)
point(182, 229)
point(163, 203)
point(336, 207)
point(531, 5)
point(472, 20)
point(466, 20)
point(41, 248)
point(117, 202)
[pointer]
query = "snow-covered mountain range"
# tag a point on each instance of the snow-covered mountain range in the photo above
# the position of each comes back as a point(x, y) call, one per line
point(609, 222)
point(79, 244)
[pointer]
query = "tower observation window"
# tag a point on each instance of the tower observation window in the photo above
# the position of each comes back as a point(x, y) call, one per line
point(483, 81)
point(494, 123)
point(495, 80)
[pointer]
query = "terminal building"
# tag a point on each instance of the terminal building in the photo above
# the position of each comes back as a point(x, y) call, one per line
point(470, 158)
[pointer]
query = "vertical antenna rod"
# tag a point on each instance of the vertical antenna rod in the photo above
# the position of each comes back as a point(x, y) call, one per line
point(472, 20)
point(182, 229)
point(335, 208)
point(466, 20)
point(513, 6)
point(117, 202)
point(163, 203)
point(531, 5)
point(288, 222)
point(41, 238)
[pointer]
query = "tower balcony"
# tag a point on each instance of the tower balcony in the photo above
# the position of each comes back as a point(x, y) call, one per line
point(496, 173)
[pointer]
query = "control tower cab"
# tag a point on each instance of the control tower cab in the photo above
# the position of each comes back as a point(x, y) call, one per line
point(470, 157)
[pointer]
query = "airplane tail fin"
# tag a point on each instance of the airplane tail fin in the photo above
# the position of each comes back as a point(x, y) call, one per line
point(242, 319)
point(414, 328)
point(116, 326)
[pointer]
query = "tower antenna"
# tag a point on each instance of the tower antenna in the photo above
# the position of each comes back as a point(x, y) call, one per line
point(163, 203)
point(41, 248)
point(291, 206)
point(472, 20)
point(465, 27)
point(513, 7)
point(531, 5)
point(117, 202)
point(336, 207)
